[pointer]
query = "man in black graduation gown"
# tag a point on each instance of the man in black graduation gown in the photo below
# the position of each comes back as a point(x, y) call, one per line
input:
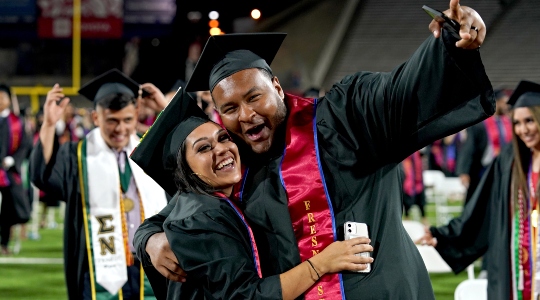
point(106, 195)
point(15, 145)
point(365, 125)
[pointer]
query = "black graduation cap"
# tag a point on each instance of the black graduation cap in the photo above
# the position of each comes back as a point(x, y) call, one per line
point(110, 82)
point(526, 94)
point(157, 150)
point(177, 84)
point(253, 50)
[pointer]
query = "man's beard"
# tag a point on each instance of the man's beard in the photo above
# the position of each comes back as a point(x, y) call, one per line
point(281, 114)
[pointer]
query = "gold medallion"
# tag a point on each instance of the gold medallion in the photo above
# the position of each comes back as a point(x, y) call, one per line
point(128, 204)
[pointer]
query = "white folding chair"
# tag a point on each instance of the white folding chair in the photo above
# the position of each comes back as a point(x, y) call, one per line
point(433, 180)
point(450, 190)
point(433, 261)
point(471, 289)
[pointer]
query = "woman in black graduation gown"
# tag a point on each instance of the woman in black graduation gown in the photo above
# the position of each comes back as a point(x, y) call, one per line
point(207, 231)
point(501, 219)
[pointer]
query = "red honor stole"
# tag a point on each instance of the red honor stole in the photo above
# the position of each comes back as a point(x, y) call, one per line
point(14, 141)
point(309, 205)
point(494, 136)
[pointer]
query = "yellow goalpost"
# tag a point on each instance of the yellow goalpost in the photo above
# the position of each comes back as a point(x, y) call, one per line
point(35, 91)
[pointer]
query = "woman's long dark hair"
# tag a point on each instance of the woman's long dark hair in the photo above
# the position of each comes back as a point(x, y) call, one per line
point(186, 180)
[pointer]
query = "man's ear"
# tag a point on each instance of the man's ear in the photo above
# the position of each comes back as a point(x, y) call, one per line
point(95, 117)
point(277, 86)
point(137, 111)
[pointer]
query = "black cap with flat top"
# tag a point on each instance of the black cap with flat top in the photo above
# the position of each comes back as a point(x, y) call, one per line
point(157, 151)
point(526, 94)
point(177, 85)
point(110, 82)
point(224, 55)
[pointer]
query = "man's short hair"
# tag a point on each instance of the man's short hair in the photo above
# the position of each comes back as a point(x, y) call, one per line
point(116, 101)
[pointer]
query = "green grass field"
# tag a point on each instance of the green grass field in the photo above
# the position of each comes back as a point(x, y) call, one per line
point(35, 281)
point(46, 281)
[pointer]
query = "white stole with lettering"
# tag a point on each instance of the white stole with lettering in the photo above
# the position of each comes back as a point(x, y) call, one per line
point(104, 202)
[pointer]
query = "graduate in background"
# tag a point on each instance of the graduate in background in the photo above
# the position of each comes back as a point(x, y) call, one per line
point(483, 143)
point(500, 220)
point(442, 155)
point(107, 195)
point(15, 145)
point(413, 186)
point(49, 202)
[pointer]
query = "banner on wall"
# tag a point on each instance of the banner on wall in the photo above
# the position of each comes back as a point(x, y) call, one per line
point(149, 12)
point(99, 18)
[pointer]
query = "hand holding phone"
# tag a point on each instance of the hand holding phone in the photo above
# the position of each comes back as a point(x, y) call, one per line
point(353, 230)
point(448, 24)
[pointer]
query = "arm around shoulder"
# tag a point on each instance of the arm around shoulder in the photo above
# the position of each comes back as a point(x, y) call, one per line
point(148, 228)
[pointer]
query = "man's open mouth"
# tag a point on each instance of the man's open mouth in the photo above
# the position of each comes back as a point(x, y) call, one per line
point(254, 133)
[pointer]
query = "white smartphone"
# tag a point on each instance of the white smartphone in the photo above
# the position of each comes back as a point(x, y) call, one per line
point(353, 230)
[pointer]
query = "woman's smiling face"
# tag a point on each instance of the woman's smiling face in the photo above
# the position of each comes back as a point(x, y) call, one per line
point(213, 156)
point(526, 128)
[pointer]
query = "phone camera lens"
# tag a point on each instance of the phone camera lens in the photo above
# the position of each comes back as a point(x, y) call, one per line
point(350, 230)
point(349, 225)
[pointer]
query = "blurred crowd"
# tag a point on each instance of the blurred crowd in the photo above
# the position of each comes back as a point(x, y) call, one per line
point(465, 154)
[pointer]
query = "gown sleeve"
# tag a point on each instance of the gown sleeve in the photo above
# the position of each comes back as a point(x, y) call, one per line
point(213, 248)
point(149, 227)
point(467, 237)
point(4, 134)
point(57, 177)
point(387, 116)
